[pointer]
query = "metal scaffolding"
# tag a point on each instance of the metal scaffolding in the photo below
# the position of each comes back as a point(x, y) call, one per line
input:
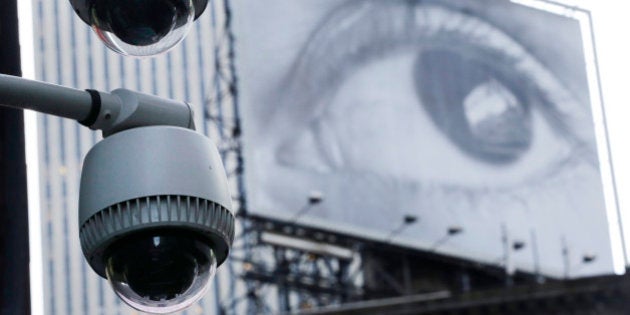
point(299, 278)
point(279, 266)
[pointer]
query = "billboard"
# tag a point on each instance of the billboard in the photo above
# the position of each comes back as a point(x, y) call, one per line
point(471, 120)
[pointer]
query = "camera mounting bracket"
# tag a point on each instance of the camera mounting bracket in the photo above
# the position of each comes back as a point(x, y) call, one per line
point(110, 112)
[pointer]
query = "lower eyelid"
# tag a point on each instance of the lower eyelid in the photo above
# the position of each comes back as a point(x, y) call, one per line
point(328, 143)
point(316, 148)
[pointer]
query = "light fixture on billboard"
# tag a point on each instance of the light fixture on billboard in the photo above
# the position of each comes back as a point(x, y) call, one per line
point(153, 221)
point(454, 230)
point(588, 258)
point(315, 197)
point(518, 245)
point(451, 231)
point(566, 257)
point(408, 219)
point(139, 27)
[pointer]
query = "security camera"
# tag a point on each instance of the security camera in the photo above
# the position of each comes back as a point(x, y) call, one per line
point(140, 27)
point(155, 213)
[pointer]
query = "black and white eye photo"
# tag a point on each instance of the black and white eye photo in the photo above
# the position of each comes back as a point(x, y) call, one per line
point(476, 115)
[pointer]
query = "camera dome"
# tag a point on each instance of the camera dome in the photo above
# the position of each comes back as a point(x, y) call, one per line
point(160, 272)
point(153, 221)
point(141, 27)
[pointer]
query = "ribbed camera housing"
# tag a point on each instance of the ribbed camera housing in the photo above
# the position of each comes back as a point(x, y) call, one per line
point(157, 185)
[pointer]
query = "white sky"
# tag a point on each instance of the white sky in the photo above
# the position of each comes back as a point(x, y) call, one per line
point(613, 47)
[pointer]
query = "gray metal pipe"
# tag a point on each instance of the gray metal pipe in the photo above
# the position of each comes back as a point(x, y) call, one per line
point(110, 112)
point(44, 97)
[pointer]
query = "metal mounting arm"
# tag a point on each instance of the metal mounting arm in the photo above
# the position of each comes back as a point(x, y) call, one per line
point(110, 112)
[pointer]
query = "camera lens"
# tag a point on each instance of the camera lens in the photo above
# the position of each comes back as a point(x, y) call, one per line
point(142, 27)
point(142, 24)
point(160, 272)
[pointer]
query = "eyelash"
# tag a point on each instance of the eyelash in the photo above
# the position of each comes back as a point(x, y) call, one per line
point(328, 57)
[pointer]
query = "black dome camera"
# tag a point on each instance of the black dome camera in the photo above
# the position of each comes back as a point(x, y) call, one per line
point(155, 210)
point(155, 214)
point(140, 27)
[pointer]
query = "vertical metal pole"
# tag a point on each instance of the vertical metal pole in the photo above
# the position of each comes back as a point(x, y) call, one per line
point(535, 257)
point(565, 258)
point(465, 281)
point(14, 246)
point(232, 89)
point(234, 135)
point(282, 271)
point(342, 279)
point(406, 274)
point(506, 255)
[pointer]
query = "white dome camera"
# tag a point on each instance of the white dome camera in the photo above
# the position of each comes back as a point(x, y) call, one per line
point(140, 27)
point(154, 215)
point(154, 207)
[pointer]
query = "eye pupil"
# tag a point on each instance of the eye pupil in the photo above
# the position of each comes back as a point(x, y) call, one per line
point(473, 105)
point(497, 119)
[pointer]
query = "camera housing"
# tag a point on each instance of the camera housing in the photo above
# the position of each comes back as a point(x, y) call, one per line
point(140, 27)
point(154, 215)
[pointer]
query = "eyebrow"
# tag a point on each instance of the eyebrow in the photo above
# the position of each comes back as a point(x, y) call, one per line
point(359, 32)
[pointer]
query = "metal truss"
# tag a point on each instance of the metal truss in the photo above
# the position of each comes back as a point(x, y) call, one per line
point(221, 108)
point(266, 278)
point(293, 277)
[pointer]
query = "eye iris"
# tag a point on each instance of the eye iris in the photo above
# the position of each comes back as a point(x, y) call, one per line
point(497, 120)
point(472, 104)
